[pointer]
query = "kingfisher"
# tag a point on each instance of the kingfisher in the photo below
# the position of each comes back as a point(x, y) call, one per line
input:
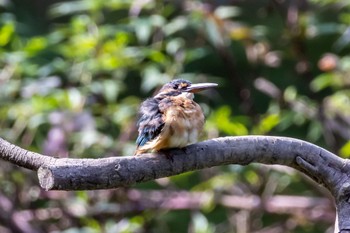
point(171, 118)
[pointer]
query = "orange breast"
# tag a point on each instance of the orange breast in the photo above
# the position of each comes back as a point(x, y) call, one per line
point(171, 118)
point(183, 123)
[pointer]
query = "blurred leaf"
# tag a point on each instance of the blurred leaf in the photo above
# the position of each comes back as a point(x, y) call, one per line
point(345, 63)
point(214, 30)
point(6, 31)
point(201, 224)
point(75, 99)
point(218, 182)
point(267, 123)
point(226, 123)
point(128, 225)
point(345, 150)
point(338, 103)
point(125, 110)
point(322, 81)
point(70, 7)
point(175, 25)
point(92, 224)
point(286, 120)
point(344, 40)
point(143, 30)
point(240, 32)
point(251, 176)
point(157, 56)
point(290, 94)
point(315, 131)
point(325, 2)
point(80, 230)
point(111, 90)
point(35, 45)
point(173, 46)
point(196, 54)
point(152, 78)
point(42, 86)
point(145, 26)
point(19, 177)
point(345, 17)
point(224, 12)
point(325, 29)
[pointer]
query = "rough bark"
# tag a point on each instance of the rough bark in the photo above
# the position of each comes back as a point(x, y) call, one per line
point(86, 174)
point(22, 157)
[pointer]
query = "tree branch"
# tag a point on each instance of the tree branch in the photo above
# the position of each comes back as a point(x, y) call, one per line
point(113, 172)
point(22, 157)
point(75, 174)
point(105, 173)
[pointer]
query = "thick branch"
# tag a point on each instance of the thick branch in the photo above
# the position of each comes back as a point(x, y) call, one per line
point(82, 174)
point(104, 173)
point(22, 157)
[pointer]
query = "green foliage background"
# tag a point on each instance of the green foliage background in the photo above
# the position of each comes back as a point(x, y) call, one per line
point(73, 74)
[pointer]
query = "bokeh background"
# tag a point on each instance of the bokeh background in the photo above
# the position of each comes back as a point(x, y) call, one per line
point(73, 73)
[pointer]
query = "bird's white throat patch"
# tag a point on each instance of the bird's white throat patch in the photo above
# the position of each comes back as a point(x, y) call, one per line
point(187, 95)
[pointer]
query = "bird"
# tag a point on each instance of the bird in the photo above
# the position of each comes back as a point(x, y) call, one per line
point(171, 118)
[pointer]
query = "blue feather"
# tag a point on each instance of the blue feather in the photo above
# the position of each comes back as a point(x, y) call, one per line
point(150, 123)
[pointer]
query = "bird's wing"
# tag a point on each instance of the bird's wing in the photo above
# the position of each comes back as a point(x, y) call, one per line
point(150, 122)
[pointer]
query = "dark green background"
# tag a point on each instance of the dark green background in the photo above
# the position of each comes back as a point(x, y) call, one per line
point(73, 74)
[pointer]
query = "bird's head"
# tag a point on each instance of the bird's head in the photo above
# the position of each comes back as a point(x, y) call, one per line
point(183, 87)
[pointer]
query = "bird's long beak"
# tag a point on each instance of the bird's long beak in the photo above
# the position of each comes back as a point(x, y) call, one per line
point(200, 87)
